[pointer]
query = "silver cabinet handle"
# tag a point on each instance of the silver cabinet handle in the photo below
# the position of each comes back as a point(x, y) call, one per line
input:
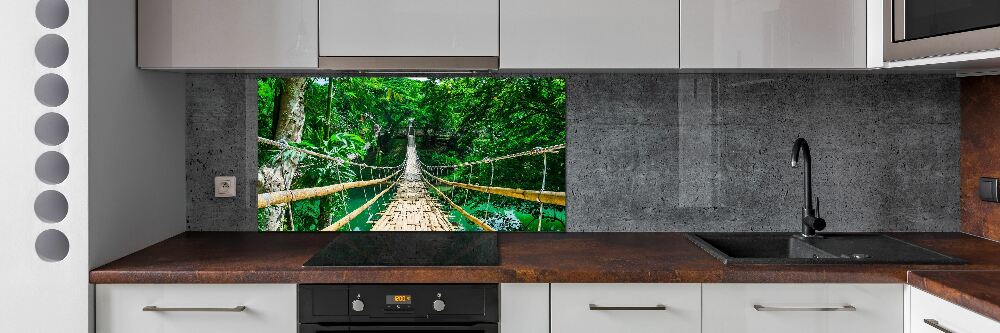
point(595, 307)
point(759, 307)
point(240, 308)
point(935, 324)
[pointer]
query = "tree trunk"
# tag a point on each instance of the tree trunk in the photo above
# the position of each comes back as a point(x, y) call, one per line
point(288, 127)
point(292, 113)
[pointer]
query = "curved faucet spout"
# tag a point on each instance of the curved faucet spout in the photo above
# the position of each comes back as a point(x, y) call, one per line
point(807, 189)
point(800, 145)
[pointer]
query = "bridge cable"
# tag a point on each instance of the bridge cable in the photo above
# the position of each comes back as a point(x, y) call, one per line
point(469, 181)
point(548, 197)
point(364, 191)
point(285, 184)
point(343, 196)
point(490, 195)
point(456, 207)
point(283, 145)
point(533, 152)
point(545, 168)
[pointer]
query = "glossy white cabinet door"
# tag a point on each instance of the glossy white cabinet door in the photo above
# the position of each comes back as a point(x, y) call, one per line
point(589, 34)
point(663, 307)
point(524, 307)
point(924, 306)
point(270, 308)
point(406, 28)
point(227, 34)
point(730, 308)
point(775, 34)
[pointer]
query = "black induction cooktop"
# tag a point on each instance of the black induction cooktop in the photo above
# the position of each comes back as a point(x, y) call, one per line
point(409, 248)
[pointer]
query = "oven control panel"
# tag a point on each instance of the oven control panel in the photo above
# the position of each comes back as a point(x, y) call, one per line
point(415, 299)
point(378, 303)
point(399, 303)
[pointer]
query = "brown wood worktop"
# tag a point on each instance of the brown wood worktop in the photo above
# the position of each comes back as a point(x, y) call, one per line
point(978, 291)
point(250, 257)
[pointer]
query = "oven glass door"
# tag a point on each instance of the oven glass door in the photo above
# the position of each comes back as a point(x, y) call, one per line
point(930, 18)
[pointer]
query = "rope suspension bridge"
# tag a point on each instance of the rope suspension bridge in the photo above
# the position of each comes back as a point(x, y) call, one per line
point(418, 204)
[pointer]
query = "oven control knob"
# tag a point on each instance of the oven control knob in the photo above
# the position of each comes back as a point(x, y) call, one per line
point(358, 305)
point(438, 305)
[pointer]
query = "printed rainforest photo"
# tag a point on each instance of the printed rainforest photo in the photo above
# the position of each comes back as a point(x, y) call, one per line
point(411, 154)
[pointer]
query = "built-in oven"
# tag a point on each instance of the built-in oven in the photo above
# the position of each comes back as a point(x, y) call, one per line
point(401, 308)
point(916, 29)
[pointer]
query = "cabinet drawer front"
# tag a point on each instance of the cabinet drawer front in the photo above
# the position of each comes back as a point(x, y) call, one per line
point(773, 34)
point(409, 28)
point(227, 34)
point(946, 315)
point(632, 308)
point(802, 308)
point(589, 34)
point(189, 308)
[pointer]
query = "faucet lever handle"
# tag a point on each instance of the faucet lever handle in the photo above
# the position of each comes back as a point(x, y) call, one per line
point(817, 206)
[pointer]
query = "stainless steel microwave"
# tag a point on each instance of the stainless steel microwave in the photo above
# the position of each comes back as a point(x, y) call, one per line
point(916, 29)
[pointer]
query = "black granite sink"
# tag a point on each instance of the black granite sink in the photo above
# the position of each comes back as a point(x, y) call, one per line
point(834, 248)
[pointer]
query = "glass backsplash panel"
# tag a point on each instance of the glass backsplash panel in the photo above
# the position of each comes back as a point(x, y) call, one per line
point(411, 154)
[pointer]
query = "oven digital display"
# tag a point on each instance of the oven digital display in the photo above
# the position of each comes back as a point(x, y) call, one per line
point(398, 299)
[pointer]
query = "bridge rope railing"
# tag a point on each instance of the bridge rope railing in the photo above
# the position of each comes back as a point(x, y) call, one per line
point(285, 196)
point(279, 197)
point(284, 145)
point(533, 152)
point(470, 217)
point(540, 196)
point(357, 211)
point(548, 197)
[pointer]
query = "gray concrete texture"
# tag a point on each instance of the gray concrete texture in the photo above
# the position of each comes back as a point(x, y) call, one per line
point(685, 152)
point(221, 141)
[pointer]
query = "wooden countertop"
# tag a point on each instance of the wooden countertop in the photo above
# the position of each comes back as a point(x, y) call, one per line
point(250, 257)
point(978, 291)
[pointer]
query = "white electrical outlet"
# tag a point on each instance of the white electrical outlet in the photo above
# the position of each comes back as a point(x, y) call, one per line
point(225, 187)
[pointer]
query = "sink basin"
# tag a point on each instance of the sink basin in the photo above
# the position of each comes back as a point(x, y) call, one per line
point(787, 248)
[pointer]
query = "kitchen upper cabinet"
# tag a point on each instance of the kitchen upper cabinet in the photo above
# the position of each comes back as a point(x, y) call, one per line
point(409, 28)
point(930, 314)
point(634, 308)
point(802, 308)
point(221, 34)
point(589, 34)
point(780, 34)
point(185, 308)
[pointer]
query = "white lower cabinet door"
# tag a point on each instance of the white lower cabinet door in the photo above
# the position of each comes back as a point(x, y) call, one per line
point(803, 308)
point(196, 308)
point(930, 314)
point(634, 308)
point(524, 307)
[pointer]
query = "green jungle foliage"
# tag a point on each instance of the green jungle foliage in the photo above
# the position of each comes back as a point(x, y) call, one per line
point(453, 119)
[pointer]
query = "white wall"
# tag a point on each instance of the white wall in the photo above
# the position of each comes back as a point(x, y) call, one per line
point(126, 128)
point(137, 186)
point(39, 295)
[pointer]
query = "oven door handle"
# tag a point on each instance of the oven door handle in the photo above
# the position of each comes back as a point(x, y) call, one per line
point(484, 328)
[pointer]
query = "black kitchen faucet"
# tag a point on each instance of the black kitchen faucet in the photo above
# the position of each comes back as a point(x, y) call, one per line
point(811, 222)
